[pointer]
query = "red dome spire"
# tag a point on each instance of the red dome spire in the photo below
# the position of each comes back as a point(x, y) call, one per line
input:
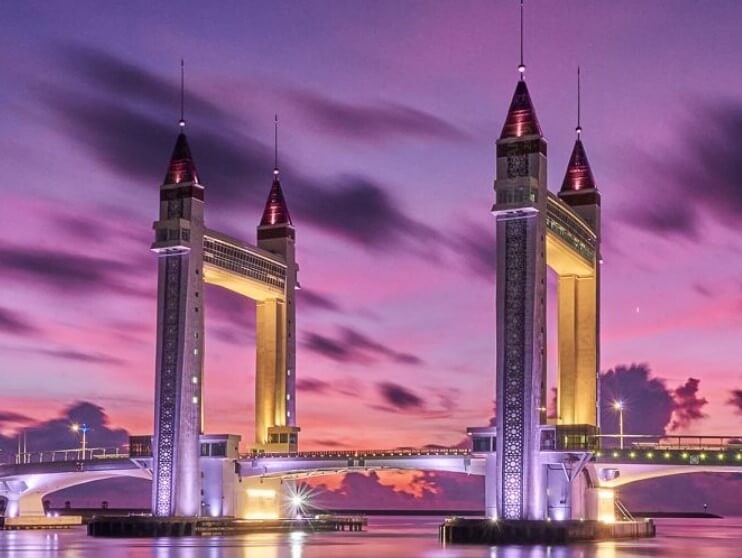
point(579, 176)
point(276, 211)
point(521, 119)
point(182, 167)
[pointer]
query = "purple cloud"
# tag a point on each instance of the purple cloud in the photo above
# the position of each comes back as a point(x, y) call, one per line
point(736, 400)
point(372, 123)
point(399, 397)
point(688, 405)
point(123, 126)
point(353, 346)
point(13, 323)
point(312, 385)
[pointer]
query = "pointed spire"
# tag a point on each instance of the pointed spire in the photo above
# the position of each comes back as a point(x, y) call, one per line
point(276, 211)
point(521, 119)
point(579, 127)
point(522, 65)
point(182, 121)
point(579, 176)
point(182, 168)
point(275, 144)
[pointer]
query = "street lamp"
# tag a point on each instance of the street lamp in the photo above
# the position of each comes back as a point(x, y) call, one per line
point(618, 406)
point(84, 429)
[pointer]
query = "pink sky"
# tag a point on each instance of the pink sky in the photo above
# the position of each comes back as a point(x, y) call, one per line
point(389, 114)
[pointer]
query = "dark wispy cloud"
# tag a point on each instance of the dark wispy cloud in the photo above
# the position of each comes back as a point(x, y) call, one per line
point(313, 299)
point(82, 356)
point(373, 122)
point(651, 406)
point(312, 385)
point(735, 400)
point(56, 433)
point(476, 246)
point(123, 116)
point(698, 173)
point(13, 418)
point(14, 323)
point(353, 346)
point(688, 405)
point(66, 272)
point(399, 397)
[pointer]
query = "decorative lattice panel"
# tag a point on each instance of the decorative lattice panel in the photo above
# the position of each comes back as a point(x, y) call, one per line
point(168, 396)
point(513, 431)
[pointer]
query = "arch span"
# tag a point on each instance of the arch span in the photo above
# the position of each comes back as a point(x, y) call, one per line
point(638, 472)
point(25, 492)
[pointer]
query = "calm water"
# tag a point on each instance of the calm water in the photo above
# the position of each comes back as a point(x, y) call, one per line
point(388, 537)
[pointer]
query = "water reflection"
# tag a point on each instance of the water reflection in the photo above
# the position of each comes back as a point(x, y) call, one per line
point(386, 538)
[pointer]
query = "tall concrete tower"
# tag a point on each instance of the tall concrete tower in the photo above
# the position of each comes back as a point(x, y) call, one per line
point(180, 337)
point(520, 211)
point(275, 381)
point(579, 303)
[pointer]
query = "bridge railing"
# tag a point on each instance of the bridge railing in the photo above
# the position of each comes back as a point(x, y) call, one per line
point(77, 454)
point(653, 442)
point(362, 453)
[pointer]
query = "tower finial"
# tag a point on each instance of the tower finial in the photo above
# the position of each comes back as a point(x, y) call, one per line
point(579, 127)
point(275, 144)
point(181, 122)
point(522, 66)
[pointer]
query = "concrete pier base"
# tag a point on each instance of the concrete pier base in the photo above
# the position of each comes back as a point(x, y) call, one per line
point(488, 531)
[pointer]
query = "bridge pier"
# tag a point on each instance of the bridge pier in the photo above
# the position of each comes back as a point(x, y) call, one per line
point(263, 498)
point(490, 486)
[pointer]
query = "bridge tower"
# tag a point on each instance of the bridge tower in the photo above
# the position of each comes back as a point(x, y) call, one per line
point(180, 337)
point(275, 379)
point(520, 211)
point(578, 295)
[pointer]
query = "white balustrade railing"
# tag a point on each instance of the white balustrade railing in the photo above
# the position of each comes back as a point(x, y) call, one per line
point(73, 454)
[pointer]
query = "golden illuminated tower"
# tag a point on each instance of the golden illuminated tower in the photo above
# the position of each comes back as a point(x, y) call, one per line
point(579, 298)
point(275, 375)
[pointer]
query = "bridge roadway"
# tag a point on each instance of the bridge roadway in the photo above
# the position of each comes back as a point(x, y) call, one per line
point(26, 484)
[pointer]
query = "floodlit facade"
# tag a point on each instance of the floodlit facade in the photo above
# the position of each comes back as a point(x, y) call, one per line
point(189, 256)
point(537, 230)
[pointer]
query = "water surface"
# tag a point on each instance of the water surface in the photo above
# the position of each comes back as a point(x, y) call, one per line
point(386, 537)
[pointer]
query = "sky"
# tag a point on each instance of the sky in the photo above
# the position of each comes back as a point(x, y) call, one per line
point(388, 113)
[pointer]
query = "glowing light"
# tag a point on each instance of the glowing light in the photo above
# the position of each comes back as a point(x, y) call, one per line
point(618, 405)
point(720, 456)
point(632, 454)
point(738, 457)
point(650, 454)
point(261, 493)
point(299, 496)
point(684, 455)
point(667, 455)
point(598, 454)
point(702, 456)
point(615, 454)
point(605, 494)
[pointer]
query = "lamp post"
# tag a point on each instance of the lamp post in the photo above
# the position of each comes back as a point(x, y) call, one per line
point(84, 429)
point(618, 406)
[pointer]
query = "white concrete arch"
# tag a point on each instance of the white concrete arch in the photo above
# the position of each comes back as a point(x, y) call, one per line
point(25, 493)
point(628, 473)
